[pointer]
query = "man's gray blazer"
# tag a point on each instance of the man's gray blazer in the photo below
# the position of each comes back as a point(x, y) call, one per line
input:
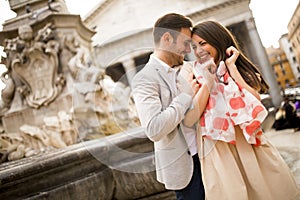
point(161, 108)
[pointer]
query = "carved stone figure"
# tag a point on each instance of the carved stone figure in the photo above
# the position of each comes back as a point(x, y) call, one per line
point(35, 62)
point(54, 92)
point(57, 132)
point(7, 93)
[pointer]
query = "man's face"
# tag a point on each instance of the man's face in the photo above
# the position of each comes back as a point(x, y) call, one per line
point(181, 46)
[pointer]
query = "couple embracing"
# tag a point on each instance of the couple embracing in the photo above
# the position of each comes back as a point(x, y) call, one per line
point(204, 116)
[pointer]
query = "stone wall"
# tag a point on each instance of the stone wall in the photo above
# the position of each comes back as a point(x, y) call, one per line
point(120, 166)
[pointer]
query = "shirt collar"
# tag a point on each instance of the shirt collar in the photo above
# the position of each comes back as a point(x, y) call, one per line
point(165, 66)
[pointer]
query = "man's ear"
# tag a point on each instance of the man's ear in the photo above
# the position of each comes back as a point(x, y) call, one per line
point(167, 38)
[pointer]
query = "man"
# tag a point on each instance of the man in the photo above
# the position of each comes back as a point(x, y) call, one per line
point(162, 99)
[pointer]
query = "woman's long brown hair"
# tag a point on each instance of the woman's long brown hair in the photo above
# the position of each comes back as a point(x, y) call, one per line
point(221, 38)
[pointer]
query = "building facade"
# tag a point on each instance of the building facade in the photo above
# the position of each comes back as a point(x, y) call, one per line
point(123, 41)
point(286, 46)
point(294, 32)
point(281, 66)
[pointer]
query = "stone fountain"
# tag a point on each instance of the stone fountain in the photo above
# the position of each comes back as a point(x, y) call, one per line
point(68, 131)
point(55, 94)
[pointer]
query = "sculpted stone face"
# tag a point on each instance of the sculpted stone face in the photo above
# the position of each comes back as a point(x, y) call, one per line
point(25, 32)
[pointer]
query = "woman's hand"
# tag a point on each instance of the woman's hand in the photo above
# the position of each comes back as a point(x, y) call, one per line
point(232, 54)
point(186, 81)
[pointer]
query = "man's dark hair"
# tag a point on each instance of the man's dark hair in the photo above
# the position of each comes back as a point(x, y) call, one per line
point(172, 23)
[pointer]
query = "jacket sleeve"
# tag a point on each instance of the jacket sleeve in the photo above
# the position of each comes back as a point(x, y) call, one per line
point(157, 121)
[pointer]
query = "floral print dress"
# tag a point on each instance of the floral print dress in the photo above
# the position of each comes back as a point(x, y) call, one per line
point(237, 161)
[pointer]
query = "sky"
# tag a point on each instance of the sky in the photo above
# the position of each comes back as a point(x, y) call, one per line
point(271, 16)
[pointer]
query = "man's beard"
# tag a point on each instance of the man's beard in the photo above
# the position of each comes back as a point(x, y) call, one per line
point(179, 60)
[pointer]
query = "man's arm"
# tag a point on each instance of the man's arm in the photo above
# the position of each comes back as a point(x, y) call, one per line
point(158, 122)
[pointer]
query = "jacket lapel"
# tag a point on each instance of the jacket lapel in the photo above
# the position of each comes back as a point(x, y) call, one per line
point(165, 77)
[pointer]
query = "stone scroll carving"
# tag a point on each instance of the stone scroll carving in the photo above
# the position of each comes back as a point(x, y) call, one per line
point(34, 60)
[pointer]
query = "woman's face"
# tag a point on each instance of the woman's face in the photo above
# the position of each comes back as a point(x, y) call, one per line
point(199, 45)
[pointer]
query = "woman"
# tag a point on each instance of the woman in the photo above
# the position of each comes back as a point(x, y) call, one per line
point(238, 165)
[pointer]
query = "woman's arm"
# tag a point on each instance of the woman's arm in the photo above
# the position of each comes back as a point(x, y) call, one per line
point(201, 97)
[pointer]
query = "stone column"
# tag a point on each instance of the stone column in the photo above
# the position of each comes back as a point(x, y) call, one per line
point(263, 60)
point(129, 66)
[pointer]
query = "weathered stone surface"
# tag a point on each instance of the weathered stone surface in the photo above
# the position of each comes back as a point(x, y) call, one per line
point(50, 70)
point(120, 166)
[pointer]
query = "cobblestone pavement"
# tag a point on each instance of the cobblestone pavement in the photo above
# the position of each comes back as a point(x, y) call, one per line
point(288, 143)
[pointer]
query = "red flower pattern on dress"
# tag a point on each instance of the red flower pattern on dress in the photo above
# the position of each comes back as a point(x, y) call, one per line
point(237, 103)
point(220, 123)
point(257, 110)
point(252, 127)
point(211, 103)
